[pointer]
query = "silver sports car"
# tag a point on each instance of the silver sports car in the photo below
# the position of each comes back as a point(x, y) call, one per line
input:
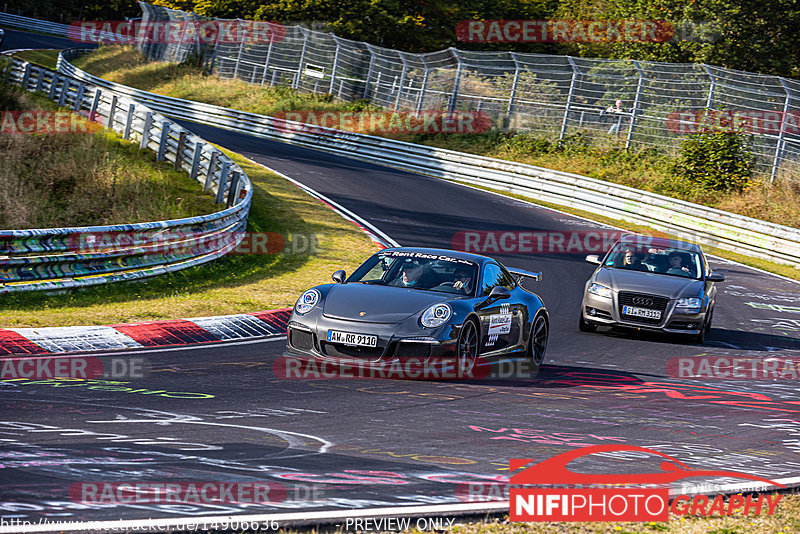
point(653, 284)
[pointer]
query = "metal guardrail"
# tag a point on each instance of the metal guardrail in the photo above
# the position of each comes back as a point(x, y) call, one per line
point(10, 20)
point(690, 221)
point(59, 258)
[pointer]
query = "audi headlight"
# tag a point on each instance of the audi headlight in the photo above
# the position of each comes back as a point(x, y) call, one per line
point(693, 302)
point(307, 301)
point(436, 315)
point(600, 290)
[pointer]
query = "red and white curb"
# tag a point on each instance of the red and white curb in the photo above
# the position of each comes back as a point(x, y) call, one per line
point(59, 340)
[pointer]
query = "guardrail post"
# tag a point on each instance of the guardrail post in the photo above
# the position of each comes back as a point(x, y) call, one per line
point(232, 189)
point(111, 112)
point(369, 70)
point(513, 95)
point(198, 152)
point(296, 81)
point(40, 80)
point(452, 105)
point(51, 94)
point(424, 86)
point(569, 98)
point(148, 123)
point(26, 75)
point(269, 56)
point(162, 144)
point(212, 162)
point(710, 99)
point(636, 103)
point(79, 97)
point(223, 182)
point(402, 80)
point(780, 145)
point(128, 121)
point(335, 65)
point(238, 60)
point(62, 97)
point(179, 152)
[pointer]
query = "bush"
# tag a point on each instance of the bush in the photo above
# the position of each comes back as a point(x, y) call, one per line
point(715, 159)
point(9, 95)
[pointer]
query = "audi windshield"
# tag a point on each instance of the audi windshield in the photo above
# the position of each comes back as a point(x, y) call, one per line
point(646, 258)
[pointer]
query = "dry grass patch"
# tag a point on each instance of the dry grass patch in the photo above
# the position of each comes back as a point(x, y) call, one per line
point(232, 284)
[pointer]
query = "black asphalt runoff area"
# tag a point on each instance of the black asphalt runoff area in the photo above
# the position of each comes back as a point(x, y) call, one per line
point(222, 414)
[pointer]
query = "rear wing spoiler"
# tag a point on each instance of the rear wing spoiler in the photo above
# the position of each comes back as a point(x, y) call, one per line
point(522, 273)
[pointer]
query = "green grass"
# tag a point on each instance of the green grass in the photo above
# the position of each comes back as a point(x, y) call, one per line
point(44, 58)
point(126, 65)
point(233, 284)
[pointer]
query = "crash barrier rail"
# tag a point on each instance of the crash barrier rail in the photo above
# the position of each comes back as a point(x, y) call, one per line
point(58, 258)
point(552, 95)
point(690, 221)
point(9, 20)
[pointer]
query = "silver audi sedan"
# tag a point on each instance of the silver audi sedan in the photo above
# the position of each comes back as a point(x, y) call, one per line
point(651, 283)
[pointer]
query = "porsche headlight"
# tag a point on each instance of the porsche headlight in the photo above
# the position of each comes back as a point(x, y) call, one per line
point(693, 302)
point(600, 290)
point(307, 301)
point(436, 315)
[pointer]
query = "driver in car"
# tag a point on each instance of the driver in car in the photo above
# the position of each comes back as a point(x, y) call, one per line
point(462, 280)
point(676, 265)
point(409, 276)
point(633, 260)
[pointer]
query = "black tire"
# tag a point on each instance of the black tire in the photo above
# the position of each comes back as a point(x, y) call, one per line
point(708, 320)
point(701, 337)
point(585, 326)
point(468, 346)
point(537, 345)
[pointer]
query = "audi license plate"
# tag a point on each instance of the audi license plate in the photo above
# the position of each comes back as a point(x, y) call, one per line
point(356, 340)
point(641, 312)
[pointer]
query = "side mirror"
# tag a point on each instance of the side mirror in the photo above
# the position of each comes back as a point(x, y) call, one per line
point(499, 292)
point(715, 277)
point(593, 259)
point(339, 276)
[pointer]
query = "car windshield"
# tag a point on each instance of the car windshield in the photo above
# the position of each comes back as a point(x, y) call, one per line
point(417, 270)
point(647, 258)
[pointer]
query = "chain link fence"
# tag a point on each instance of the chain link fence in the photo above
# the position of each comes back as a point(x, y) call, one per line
point(550, 96)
